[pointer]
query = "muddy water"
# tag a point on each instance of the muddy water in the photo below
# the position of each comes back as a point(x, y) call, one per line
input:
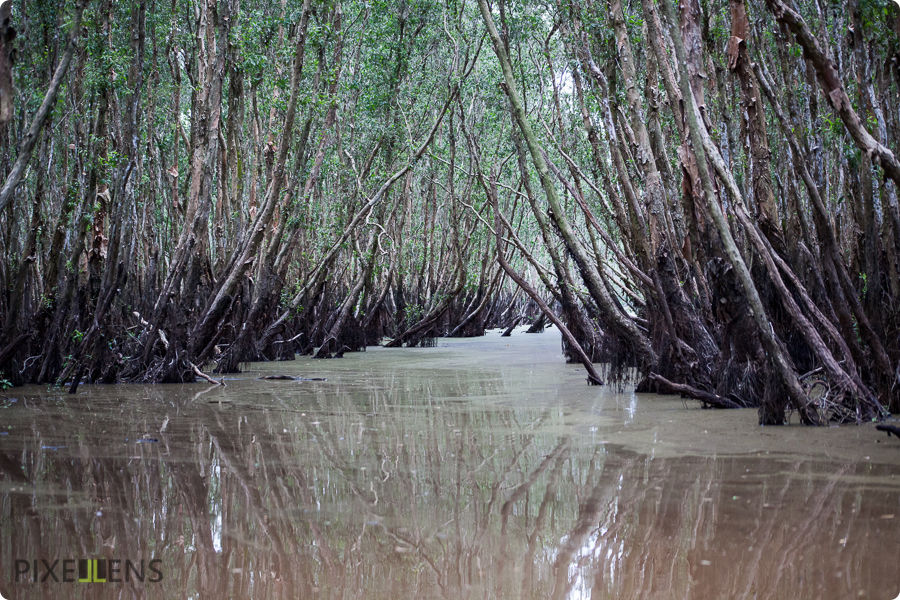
point(482, 468)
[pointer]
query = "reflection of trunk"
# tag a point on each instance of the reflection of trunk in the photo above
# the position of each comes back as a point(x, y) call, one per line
point(228, 453)
point(588, 512)
point(548, 504)
point(373, 499)
point(195, 492)
point(557, 458)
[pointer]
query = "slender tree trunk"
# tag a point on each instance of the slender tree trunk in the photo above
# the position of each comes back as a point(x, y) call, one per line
point(619, 322)
point(40, 117)
point(773, 414)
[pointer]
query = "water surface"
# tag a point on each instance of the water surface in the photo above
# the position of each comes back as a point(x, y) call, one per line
point(482, 468)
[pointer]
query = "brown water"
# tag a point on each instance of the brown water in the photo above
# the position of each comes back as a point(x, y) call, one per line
point(482, 468)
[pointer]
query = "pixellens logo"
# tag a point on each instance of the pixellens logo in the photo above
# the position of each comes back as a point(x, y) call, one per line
point(87, 570)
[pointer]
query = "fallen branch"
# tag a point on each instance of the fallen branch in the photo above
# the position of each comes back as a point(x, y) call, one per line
point(695, 393)
point(203, 375)
point(293, 339)
point(889, 429)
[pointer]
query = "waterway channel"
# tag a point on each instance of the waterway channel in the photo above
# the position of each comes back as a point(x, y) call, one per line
point(481, 468)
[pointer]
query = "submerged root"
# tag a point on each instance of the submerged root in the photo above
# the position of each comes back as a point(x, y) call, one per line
point(836, 405)
point(708, 399)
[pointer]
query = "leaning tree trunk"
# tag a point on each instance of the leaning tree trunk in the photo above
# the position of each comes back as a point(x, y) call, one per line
point(772, 411)
point(491, 190)
point(624, 326)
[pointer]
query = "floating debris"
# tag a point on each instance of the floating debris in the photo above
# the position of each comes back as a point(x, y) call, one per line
point(889, 429)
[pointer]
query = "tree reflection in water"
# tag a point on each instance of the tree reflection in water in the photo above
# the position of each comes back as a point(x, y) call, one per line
point(352, 494)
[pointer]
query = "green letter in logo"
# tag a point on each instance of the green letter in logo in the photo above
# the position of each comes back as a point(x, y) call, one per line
point(91, 570)
point(85, 570)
